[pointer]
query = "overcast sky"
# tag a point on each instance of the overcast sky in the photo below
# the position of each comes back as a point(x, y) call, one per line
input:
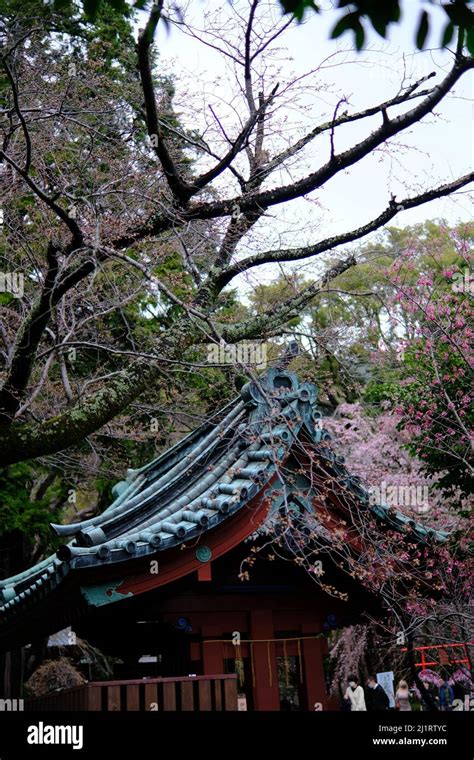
point(433, 152)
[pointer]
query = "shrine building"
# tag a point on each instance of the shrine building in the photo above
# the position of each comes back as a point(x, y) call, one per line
point(202, 565)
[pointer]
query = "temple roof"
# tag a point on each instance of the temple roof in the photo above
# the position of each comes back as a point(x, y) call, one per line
point(195, 486)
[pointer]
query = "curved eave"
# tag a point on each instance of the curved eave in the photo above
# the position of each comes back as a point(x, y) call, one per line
point(385, 514)
point(156, 513)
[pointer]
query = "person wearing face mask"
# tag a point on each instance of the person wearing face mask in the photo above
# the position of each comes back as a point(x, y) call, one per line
point(376, 695)
point(355, 694)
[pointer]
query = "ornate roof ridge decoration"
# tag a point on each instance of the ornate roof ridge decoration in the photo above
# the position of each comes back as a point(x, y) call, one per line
point(196, 485)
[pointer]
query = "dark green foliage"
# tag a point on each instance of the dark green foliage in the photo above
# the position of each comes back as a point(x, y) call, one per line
point(299, 7)
point(21, 509)
point(380, 15)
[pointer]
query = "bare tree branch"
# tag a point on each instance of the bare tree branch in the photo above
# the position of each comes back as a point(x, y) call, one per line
point(224, 276)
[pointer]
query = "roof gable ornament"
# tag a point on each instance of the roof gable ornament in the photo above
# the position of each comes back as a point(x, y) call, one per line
point(280, 394)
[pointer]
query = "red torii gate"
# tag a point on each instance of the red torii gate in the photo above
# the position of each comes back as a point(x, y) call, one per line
point(458, 661)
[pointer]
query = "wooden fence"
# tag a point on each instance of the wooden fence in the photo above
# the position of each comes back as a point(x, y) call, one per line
point(185, 694)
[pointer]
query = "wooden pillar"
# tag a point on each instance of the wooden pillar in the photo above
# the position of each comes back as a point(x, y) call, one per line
point(11, 670)
point(314, 651)
point(266, 691)
point(212, 654)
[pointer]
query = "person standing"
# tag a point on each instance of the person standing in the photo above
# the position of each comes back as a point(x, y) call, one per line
point(432, 703)
point(446, 696)
point(355, 693)
point(377, 698)
point(402, 697)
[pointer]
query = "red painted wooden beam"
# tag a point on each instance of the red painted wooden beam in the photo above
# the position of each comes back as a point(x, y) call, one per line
point(182, 561)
